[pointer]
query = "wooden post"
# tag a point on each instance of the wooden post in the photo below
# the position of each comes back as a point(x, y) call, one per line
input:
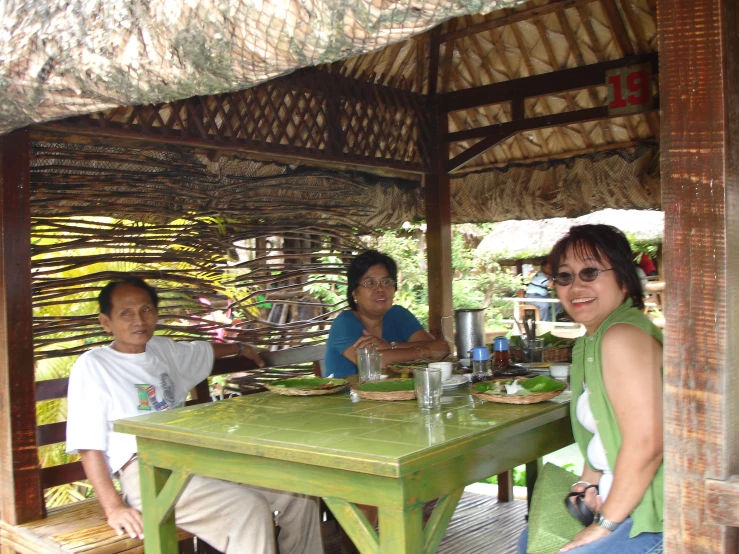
point(699, 84)
point(438, 209)
point(20, 476)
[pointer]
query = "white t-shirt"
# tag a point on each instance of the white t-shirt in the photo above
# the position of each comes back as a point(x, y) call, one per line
point(106, 385)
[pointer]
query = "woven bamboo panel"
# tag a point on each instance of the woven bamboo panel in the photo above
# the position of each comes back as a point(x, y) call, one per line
point(324, 116)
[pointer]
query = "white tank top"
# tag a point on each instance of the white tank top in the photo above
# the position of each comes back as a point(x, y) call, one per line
point(596, 452)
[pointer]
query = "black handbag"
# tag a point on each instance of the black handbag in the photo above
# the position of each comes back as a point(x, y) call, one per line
point(578, 509)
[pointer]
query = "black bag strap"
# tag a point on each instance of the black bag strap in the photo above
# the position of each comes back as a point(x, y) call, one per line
point(578, 509)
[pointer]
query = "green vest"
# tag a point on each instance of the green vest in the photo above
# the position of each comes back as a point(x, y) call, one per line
point(587, 366)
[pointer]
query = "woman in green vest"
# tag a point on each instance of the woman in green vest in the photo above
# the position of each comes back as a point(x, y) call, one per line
point(616, 382)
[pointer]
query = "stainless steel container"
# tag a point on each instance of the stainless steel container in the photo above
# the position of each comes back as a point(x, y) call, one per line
point(469, 330)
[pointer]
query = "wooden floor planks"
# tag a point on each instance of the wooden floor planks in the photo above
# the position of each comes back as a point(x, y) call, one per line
point(480, 525)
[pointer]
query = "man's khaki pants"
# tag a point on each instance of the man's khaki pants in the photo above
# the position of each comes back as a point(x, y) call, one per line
point(238, 519)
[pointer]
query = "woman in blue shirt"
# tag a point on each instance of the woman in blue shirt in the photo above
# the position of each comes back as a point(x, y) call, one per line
point(374, 321)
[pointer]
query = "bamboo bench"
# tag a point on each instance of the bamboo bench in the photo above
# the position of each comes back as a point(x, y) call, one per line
point(82, 526)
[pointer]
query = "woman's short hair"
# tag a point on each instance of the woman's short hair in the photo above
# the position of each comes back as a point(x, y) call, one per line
point(105, 298)
point(609, 246)
point(360, 265)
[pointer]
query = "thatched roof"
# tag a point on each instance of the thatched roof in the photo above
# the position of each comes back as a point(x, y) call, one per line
point(193, 118)
point(528, 239)
point(64, 58)
point(56, 60)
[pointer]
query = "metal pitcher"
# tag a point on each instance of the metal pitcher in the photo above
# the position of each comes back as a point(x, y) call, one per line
point(470, 330)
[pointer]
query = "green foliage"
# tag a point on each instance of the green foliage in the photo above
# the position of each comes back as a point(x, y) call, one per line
point(519, 475)
point(479, 281)
point(329, 288)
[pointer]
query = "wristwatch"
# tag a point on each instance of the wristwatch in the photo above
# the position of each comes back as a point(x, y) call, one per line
point(393, 344)
point(601, 521)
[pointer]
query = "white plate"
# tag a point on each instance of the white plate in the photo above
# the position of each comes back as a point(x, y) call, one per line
point(454, 381)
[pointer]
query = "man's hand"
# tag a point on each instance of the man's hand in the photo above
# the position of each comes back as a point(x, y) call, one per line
point(126, 520)
point(121, 518)
point(248, 351)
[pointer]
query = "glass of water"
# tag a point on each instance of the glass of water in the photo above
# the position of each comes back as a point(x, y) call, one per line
point(428, 387)
point(369, 364)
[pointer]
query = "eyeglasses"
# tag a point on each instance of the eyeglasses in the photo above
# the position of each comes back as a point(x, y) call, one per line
point(586, 274)
point(371, 283)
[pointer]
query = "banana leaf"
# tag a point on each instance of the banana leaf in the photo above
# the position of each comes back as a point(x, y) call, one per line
point(308, 383)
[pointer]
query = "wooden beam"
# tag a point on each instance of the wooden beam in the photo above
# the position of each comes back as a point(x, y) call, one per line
point(566, 155)
point(699, 84)
point(539, 85)
point(460, 160)
point(20, 476)
point(723, 509)
point(439, 250)
point(526, 124)
point(516, 17)
point(493, 134)
point(618, 30)
point(438, 208)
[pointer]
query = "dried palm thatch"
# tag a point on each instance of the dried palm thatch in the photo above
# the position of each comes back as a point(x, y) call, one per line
point(165, 183)
point(232, 236)
point(185, 210)
point(84, 56)
point(526, 238)
point(126, 68)
point(621, 179)
point(214, 289)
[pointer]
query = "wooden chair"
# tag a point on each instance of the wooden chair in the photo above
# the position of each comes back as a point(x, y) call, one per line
point(82, 526)
point(77, 527)
point(520, 310)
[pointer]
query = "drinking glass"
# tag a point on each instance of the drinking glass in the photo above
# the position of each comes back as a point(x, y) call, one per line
point(533, 349)
point(428, 387)
point(369, 364)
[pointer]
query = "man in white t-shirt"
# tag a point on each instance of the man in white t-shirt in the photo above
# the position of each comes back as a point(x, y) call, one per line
point(139, 373)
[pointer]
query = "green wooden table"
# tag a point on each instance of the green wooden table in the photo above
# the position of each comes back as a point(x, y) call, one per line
point(386, 454)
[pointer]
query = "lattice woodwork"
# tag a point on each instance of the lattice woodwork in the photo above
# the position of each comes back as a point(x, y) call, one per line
point(307, 115)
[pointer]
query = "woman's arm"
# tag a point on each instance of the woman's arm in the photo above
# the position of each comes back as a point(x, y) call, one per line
point(420, 346)
point(632, 362)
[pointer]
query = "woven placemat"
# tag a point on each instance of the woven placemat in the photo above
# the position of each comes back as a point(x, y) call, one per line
point(515, 398)
point(296, 391)
point(405, 368)
point(384, 395)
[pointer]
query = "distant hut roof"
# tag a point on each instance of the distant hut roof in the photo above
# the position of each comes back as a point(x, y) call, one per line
point(533, 238)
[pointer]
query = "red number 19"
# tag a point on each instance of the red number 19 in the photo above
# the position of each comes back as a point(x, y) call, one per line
point(637, 84)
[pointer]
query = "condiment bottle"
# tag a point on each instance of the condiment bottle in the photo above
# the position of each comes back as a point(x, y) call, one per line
point(481, 364)
point(502, 358)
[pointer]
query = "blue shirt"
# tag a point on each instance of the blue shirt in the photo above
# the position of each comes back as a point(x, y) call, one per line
point(398, 325)
point(538, 285)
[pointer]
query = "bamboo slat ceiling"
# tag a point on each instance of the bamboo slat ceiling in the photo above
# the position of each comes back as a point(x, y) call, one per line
point(534, 38)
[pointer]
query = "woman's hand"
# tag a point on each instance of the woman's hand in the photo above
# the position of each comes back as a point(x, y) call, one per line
point(591, 498)
point(368, 340)
point(589, 534)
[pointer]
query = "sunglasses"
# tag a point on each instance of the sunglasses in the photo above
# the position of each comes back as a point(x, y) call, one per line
point(586, 274)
